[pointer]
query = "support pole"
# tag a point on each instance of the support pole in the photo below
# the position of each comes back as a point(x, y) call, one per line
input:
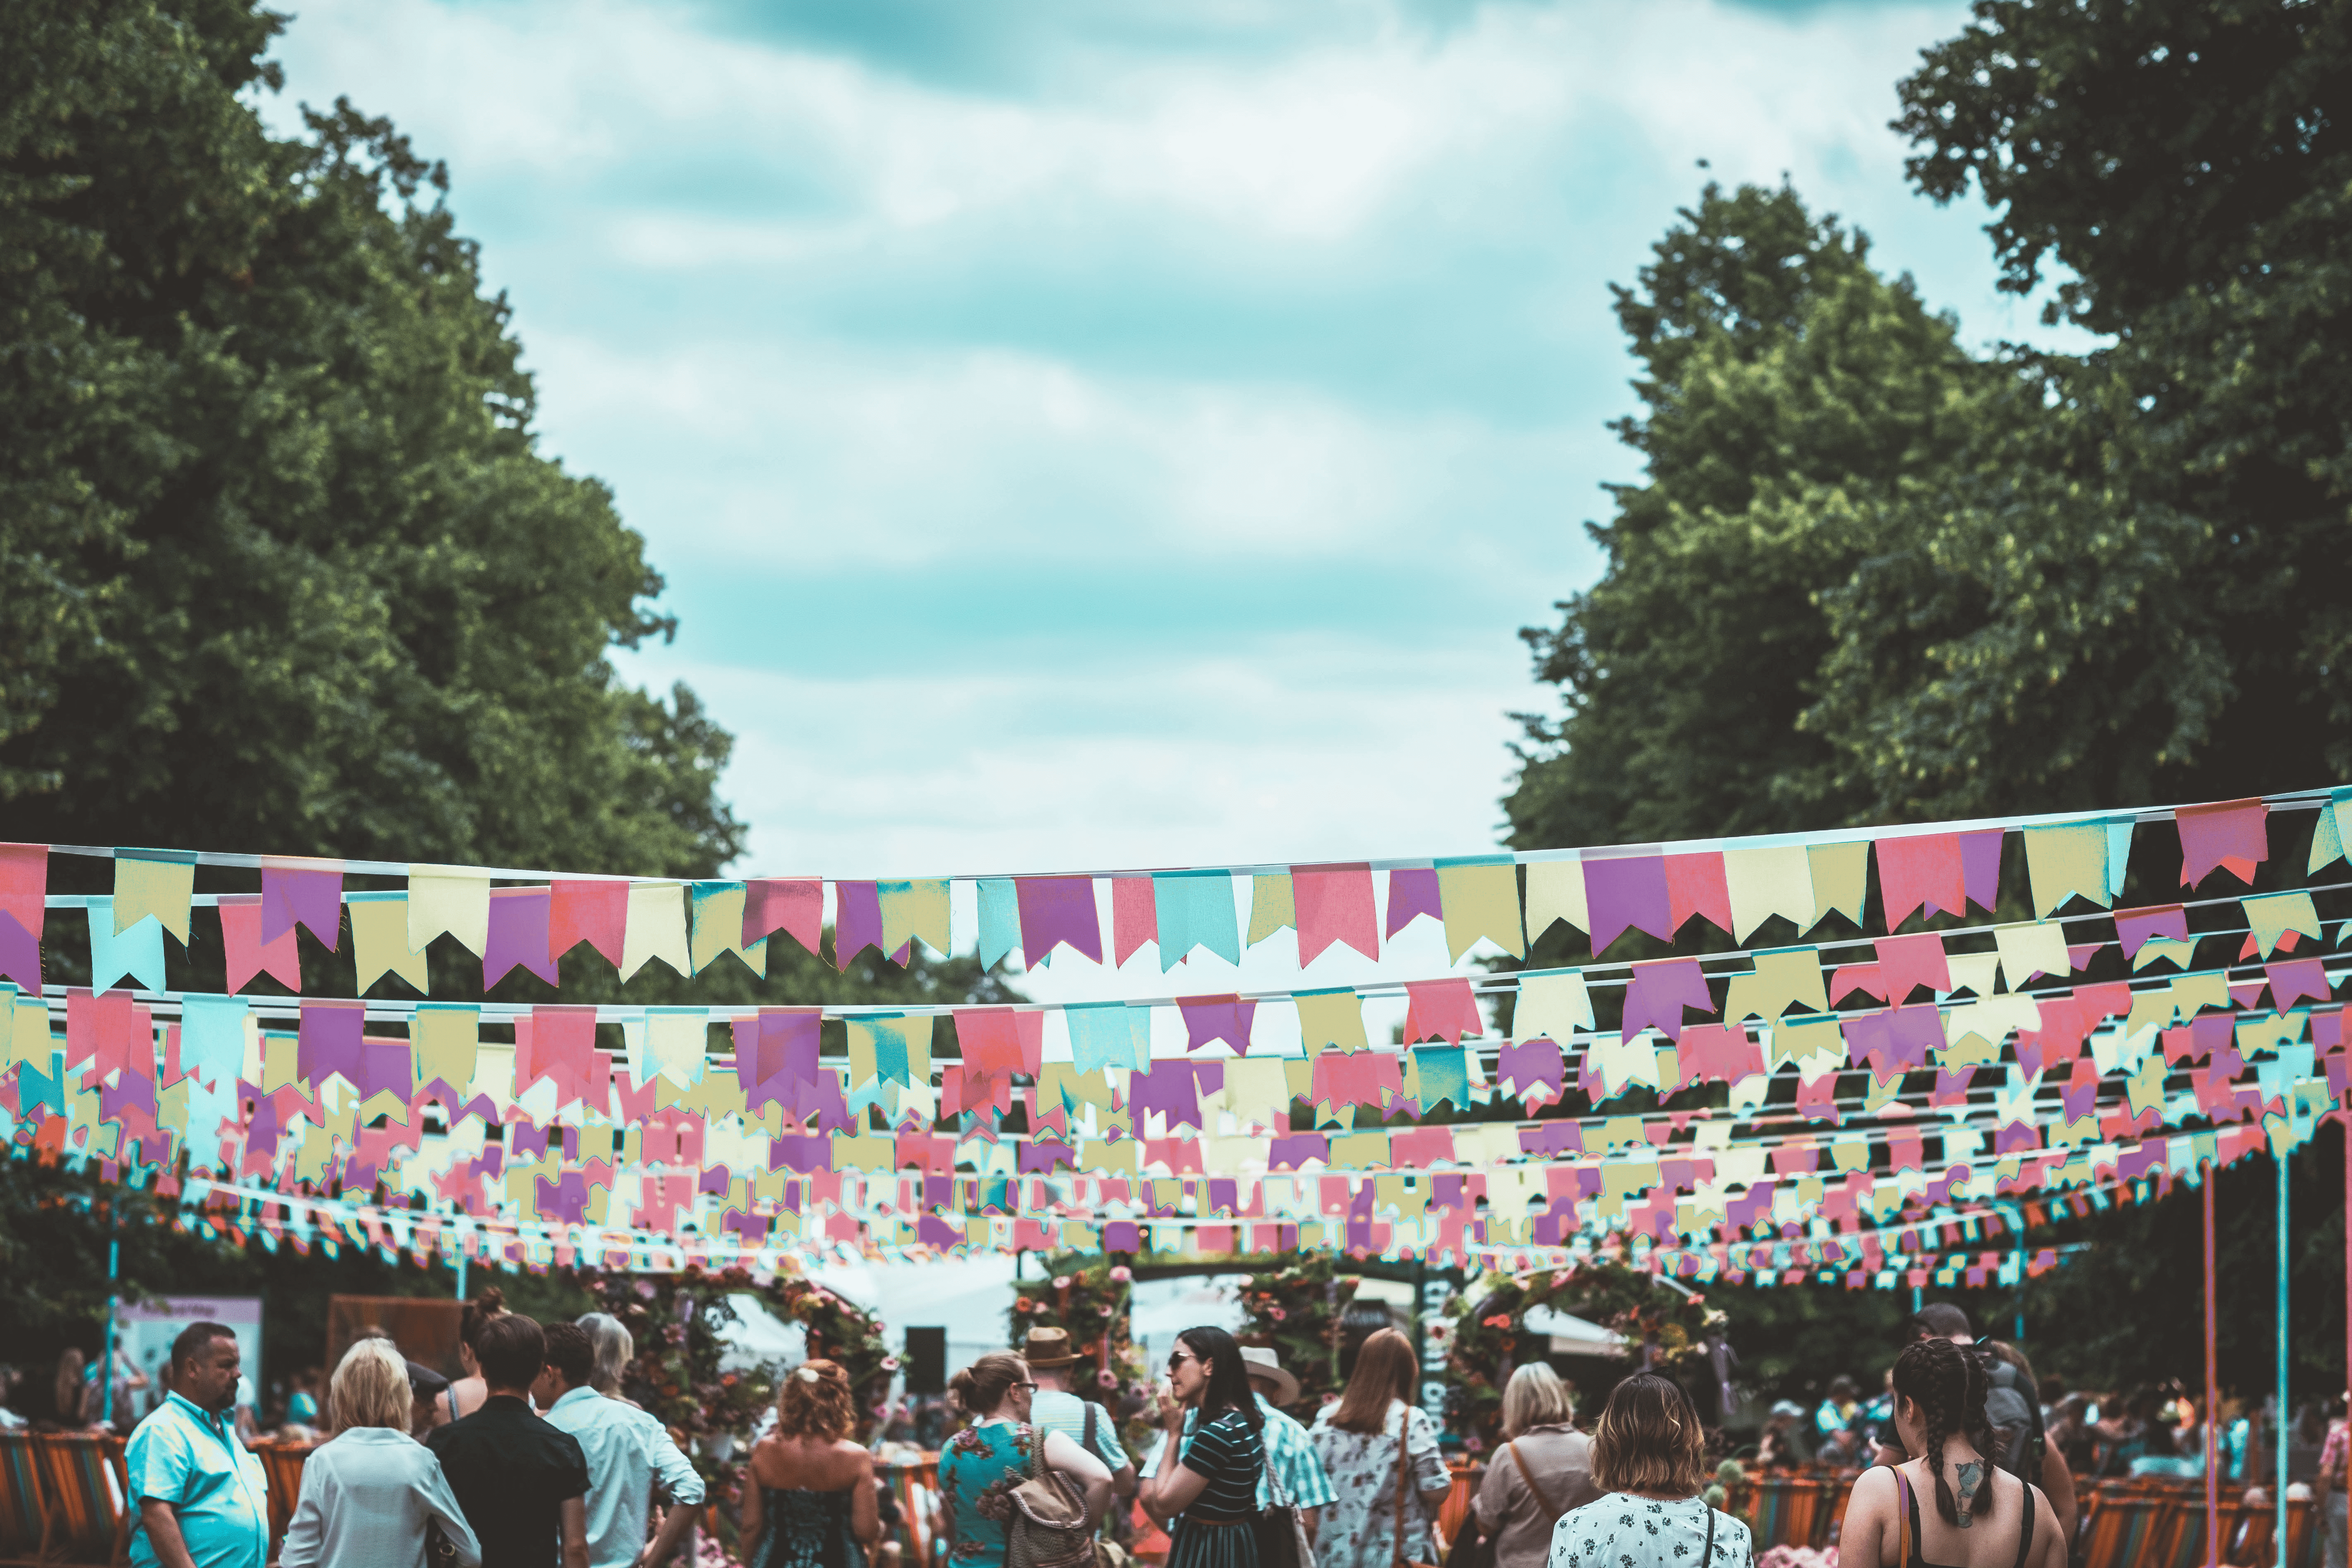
point(2213, 1387)
point(113, 1274)
point(2278, 1438)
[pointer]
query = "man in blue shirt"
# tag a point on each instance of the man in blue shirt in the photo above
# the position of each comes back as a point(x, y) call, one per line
point(1055, 1407)
point(202, 1499)
point(627, 1452)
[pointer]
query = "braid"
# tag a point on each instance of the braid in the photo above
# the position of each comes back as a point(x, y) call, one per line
point(1949, 1386)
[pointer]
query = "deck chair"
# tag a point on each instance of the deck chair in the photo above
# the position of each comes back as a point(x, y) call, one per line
point(83, 1482)
point(281, 1465)
point(22, 1513)
point(2120, 1532)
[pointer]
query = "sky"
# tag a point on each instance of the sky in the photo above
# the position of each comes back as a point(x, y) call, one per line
point(1081, 436)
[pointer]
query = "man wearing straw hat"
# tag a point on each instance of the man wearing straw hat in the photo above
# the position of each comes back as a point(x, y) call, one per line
point(1055, 1408)
point(1290, 1456)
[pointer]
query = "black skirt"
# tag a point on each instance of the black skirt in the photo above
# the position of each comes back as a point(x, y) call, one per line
point(1214, 1544)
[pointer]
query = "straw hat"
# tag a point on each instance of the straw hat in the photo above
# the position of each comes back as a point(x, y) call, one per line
point(1047, 1348)
point(1258, 1362)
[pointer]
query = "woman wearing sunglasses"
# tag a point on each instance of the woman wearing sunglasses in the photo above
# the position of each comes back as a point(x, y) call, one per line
point(1208, 1485)
point(997, 1452)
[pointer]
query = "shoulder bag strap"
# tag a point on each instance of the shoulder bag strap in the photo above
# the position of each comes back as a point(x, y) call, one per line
point(1090, 1426)
point(1902, 1518)
point(1403, 1431)
point(1528, 1476)
point(1706, 1549)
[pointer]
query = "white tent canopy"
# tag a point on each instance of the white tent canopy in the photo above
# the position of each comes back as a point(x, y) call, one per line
point(1572, 1335)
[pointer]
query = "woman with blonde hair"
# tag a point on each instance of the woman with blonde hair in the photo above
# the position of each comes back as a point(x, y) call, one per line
point(996, 1452)
point(1368, 1442)
point(1649, 1452)
point(1545, 1468)
point(811, 1501)
point(371, 1493)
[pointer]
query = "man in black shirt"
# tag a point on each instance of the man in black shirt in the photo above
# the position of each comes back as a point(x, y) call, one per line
point(522, 1483)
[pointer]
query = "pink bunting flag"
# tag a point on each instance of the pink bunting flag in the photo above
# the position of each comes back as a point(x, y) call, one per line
point(1208, 1019)
point(25, 885)
point(1414, 892)
point(102, 1032)
point(1629, 891)
point(1334, 904)
point(1718, 1051)
point(557, 1044)
point(1058, 910)
point(520, 932)
point(1905, 962)
point(1696, 886)
point(1921, 869)
point(2229, 836)
point(1001, 1039)
point(596, 912)
point(1849, 978)
point(792, 905)
point(301, 892)
point(1441, 1010)
point(1134, 916)
point(242, 917)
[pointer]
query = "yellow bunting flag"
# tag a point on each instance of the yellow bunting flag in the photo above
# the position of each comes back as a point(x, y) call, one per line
point(2064, 858)
point(1767, 882)
point(1551, 1006)
point(1556, 892)
point(1814, 1046)
point(718, 911)
point(1481, 900)
point(452, 898)
point(380, 943)
point(1841, 874)
point(443, 1039)
point(1272, 905)
point(916, 908)
point(1784, 977)
point(1330, 1018)
point(655, 929)
point(2271, 915)
point(161, 888)
point(2029, 948)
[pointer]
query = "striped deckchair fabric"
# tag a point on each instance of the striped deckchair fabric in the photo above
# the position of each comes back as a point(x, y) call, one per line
point(21, 1512)
point(2178, 1540)
point(281, 1463)
point(82, 1483)
point(2306, 1536)
point(2121, 1532)
point(2257, 1530)
point(1785, 1512)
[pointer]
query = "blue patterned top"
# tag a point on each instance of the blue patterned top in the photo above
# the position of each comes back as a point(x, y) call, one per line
point(978, 1466)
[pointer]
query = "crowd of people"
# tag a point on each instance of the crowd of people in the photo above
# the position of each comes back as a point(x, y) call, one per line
point(536, 1457)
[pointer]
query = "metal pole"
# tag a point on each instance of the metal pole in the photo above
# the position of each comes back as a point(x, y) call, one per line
point(2278, 1497)
point(2016, 1217)
point(113, 1273)
point(2212, 1388)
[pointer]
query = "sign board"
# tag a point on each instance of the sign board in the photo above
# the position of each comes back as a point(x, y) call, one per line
point(144, 1333)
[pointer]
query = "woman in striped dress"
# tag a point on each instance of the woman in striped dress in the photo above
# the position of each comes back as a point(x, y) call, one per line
point(1208, 1487)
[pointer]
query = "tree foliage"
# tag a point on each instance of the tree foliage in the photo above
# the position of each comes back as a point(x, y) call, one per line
point(1870, 576)
point(286, 570)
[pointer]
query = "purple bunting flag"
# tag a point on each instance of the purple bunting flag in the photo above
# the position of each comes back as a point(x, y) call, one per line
point(1208, 1019)
point(1058, 910)
point(1659, 991)
point(1413, 892)
point(303, 892)
point(1628, 892)
point(517, 935)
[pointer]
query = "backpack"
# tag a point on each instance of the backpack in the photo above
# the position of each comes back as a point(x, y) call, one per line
point(1048, 1527)
point(2013, 1420)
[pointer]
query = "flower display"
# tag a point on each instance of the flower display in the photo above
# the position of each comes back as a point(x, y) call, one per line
point(1295, 1306)
point(1089, 1300)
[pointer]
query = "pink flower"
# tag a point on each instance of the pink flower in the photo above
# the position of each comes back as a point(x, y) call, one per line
point(1023, 1304)
point(1120, 1273)
point(1061, 1281)
point(1474, 1444)
point(1106, 1377)
point(890, 1363)
point(1276, 1313)
point(1104, 1311)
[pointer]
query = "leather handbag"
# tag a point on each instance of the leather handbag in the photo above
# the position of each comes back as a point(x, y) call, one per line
point(1282, 1529)
point(1048, 1523)
point(1403, 1482)
point(1543, 1503)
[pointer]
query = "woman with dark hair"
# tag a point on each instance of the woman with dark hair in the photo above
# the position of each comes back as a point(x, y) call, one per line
point(1208, 1487)
point(1649, 1452)
point(1939, 1400)
point(465, 1395)
point(1370, 1442)
point(982, 1464)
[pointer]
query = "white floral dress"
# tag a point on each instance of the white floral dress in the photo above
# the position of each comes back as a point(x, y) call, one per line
point(1623, 1531)
point(1358, 1529)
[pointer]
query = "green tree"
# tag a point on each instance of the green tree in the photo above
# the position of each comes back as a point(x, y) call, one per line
point(1788, 392)
point(286, 571)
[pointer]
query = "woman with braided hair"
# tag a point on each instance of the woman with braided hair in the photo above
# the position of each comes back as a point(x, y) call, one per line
point(1939, 1395)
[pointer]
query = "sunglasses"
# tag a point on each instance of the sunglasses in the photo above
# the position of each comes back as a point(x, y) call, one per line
point(1180, 1358)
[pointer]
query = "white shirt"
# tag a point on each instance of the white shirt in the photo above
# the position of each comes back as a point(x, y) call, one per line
point(626, 1449)
point(366, 1498)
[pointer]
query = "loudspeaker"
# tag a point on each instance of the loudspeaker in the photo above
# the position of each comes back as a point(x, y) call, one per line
point(927, 1361)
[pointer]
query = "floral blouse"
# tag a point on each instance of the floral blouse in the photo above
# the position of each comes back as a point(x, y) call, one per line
point(979, 1465)
point(1623, 1531)
point(1358, 1529)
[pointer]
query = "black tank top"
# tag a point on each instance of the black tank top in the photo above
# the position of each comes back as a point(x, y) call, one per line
point(1918, 1554)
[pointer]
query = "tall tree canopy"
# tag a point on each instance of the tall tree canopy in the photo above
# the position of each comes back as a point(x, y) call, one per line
point(1868, 577)
point(285, 570)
